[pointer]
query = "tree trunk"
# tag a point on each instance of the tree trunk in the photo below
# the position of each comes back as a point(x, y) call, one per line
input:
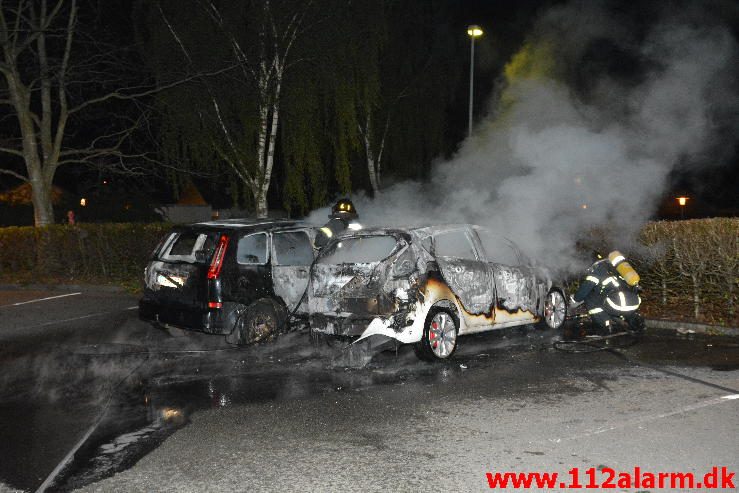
point(43, 209)
point(731, 300)
point(664, 291)
point(696, 296)
point(261, 204)
point(372, 161)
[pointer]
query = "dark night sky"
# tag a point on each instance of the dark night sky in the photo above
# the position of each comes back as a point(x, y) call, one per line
point(506, 23)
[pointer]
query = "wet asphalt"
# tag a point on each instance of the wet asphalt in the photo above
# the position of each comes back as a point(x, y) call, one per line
point(92, 398)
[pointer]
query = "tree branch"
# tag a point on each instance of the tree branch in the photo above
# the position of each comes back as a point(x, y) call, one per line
point(118, 95)
point(14, 175)
point(14, 152)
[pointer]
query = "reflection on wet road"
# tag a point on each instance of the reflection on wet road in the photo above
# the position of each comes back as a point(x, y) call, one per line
point(143, 384)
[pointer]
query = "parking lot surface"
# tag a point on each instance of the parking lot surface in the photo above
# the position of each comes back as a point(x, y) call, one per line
point(93, 399)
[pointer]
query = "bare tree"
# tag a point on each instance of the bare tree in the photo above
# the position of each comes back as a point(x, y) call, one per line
point(262, 66)
point(374, 147)
point(694, 259)
point(723, 241)
point(48, 89)
point(656, 255)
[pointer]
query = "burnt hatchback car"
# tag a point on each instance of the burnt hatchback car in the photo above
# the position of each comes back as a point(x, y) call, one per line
point(238, 278)
point(427, 286)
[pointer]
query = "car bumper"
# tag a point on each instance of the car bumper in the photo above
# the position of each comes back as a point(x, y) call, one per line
point(398, 326)
point(218, 321)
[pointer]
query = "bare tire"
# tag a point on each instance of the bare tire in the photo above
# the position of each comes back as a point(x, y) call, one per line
point(555, 309)
point(440, 333)
point(258, 323)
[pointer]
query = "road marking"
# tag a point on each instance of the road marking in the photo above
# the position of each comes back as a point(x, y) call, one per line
point(648, 418)
point(133, 307)
point(53, 322)
point(41, 299)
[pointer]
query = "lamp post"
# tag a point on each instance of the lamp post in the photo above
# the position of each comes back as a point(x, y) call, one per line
point(473, 31)
point(682, 202)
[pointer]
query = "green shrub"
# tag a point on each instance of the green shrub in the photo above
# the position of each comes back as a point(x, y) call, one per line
point(107, 252)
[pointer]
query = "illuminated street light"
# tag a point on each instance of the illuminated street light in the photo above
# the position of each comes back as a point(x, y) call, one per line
point(474, 32)
point(682, 201)
point(83, 201)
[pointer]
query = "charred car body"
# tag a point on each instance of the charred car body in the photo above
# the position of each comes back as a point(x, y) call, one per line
point(238, 278)
point(426, 286)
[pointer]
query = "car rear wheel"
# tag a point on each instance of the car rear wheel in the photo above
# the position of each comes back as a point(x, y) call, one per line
point(440, 333)
point(555, 309)
point(258, 323)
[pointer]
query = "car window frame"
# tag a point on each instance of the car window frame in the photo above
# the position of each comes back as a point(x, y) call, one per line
point(467, 235)
point(163, 253)
point(521, 258)
point(274, 258)
point(267, 247)
point(324, 251)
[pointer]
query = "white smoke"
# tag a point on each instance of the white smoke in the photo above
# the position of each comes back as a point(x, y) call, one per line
point(553, 162)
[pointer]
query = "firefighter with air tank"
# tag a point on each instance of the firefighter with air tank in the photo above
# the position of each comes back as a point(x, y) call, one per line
point(611, 290)
point(343, 216)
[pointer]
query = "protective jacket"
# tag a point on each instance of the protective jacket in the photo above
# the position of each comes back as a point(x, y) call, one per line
point(603, 289)
point(332, 228)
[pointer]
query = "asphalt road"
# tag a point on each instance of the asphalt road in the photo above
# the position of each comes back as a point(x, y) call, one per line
point(92, 398)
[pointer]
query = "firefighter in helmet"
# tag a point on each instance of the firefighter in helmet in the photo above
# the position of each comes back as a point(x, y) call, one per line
point(343, 216)
point(611, 290)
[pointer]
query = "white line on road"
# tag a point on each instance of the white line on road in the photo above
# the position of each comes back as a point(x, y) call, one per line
point(41, 299)
point(645, 419)
point(54, 322)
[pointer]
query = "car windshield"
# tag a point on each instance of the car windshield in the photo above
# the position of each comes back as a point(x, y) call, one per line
point(359, 250)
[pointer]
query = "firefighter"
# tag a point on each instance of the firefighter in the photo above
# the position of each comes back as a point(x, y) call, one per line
point(610, 289)
point(343, 216)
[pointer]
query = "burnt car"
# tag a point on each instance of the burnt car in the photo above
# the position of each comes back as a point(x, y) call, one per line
point(427, 286)
point(237, 278)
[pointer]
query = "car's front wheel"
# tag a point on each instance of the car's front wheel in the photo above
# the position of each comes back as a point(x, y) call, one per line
point(555, 309)
point(440, 333)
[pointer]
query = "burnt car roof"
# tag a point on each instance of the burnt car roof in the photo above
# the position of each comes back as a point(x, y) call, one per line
point(419, 230)
point(248, 224)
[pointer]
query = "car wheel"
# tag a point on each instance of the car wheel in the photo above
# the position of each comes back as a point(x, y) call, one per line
point(258, 323)
point(555, 309)
point(440, 333)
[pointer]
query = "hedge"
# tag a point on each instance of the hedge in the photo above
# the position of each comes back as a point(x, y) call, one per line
point(689, 269)
point(108, 252)
point(694, 264)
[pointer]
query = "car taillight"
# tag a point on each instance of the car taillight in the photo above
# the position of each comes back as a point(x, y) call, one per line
point(215, 304)
point(217, 263)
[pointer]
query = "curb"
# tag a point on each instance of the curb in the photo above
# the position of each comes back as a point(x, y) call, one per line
point(691, 328)
point(63, 287)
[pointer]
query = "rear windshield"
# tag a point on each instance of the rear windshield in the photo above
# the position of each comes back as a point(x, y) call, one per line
point(189, 246)
point(359, 250)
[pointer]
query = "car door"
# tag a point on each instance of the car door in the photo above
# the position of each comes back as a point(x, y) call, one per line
point(466, 275)
point(515, 294)
point(176, 276)
point(253, 278)
point(292, 256)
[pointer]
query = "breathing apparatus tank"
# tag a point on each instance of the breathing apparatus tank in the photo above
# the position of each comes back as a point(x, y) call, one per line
point(625, 270)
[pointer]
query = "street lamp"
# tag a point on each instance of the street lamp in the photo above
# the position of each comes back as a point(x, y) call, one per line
point(474, 32)
point(682, 201)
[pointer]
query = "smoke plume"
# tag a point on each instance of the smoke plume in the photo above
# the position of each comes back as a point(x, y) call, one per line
point(596, 109)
